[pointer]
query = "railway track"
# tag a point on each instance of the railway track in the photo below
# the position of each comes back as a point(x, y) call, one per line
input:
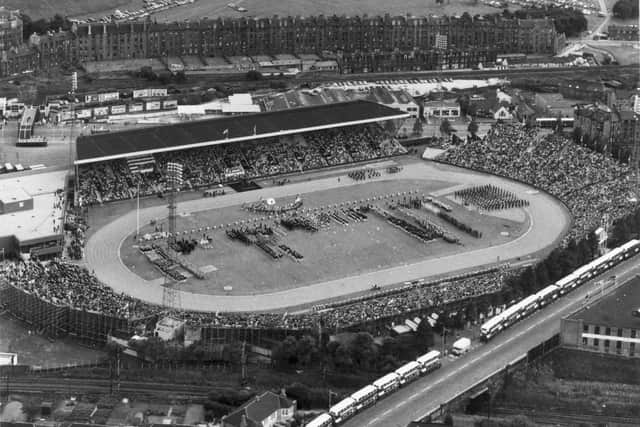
point(556, 419)
point(81, 385)
point(236, 79)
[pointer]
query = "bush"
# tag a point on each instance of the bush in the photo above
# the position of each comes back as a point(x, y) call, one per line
point(254, 75)
point(571, 22)
point(215, 410)
point(308, 398)
point(626, 9)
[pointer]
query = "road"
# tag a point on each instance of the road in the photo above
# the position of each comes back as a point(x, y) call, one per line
point(428, 393)
point(549, 220)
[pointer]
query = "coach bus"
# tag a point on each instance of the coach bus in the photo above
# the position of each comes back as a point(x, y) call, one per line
point(365, 397)
point(429, 362)
point(547, 295)
point(408, 372)
point(343, 410)
point(387, 384)
point(322, 420)
point(528, 305)
point(521, 309)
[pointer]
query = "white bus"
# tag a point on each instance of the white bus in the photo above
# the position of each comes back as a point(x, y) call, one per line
point(365, 397)
point(547, 295)
point(491, 327)
point(323, 420)
point(387, 384)
point(408, 372)
point(343, 410)
point(429, 362)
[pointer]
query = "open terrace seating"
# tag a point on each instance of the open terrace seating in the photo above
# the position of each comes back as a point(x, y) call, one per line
point(591, 184)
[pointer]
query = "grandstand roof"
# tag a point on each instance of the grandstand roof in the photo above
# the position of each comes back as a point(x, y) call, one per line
point(128, 143)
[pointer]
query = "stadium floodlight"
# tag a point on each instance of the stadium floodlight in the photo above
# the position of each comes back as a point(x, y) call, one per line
point(174, 179)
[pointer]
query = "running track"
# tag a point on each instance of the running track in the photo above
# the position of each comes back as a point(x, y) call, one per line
point(549, 221)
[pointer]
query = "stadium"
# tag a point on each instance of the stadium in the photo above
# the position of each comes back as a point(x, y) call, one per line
point(340, 226)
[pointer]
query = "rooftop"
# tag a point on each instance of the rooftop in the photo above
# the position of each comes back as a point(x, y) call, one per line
point(9, 195)
point(127, 143)
point(38, 222)
point(615, 310)
point(258, 409)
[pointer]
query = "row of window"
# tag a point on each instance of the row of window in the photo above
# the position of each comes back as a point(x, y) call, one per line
point(607, 346)
point(607, 331)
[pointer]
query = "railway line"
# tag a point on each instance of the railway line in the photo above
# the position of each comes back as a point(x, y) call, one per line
point(45, 385)
point(556, 419)
point(239, 79)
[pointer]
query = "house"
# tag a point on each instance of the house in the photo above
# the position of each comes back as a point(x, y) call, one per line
point(265, 410)
point(445, 108)
point(492, 105)
point(168, 328)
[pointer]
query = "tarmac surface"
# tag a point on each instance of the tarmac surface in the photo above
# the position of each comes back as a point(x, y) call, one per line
point(424, 396)
point(549, 221)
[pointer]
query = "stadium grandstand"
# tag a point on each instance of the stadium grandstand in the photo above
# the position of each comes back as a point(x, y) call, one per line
point(111, 166)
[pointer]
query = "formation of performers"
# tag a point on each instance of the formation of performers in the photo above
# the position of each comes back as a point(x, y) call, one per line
point(364, 174)
point(490, 197)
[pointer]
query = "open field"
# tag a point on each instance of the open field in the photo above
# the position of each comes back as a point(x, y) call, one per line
point(549, 221)
point(215, 8)
point(333, 252)
point(37, 9)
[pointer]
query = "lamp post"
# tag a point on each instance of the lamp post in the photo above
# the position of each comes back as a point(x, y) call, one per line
point(138, 212)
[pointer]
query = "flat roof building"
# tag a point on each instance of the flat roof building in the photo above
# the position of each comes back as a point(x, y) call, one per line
point(31, 213)
point(610, 325)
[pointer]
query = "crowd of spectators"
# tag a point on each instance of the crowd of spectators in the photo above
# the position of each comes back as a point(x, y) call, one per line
point(70, 285)
point(65, 284)
point(591, 184)
point(75, 226)
point(107, 181)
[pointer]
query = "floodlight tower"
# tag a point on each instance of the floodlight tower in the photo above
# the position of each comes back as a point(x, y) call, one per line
point(174, 180)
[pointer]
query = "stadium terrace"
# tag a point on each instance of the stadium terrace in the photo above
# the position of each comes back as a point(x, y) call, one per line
point(139, 142)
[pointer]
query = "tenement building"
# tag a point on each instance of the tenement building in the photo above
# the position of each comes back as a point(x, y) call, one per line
point(611, 325)
point(613, 129)
point(359, 35)
point(10, 29)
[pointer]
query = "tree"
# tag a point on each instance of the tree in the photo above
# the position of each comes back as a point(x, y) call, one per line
point(571, 22)
point(363, 350)
point(306, 350)
point(254, 75)
point(577, 135)
point(473, 128)
point(626, 9)
point(558, 125)
point(390, 127)
point(180, 77)
point(424, 335)
point(285, 354)
point(417, 127)
point(445, 127)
